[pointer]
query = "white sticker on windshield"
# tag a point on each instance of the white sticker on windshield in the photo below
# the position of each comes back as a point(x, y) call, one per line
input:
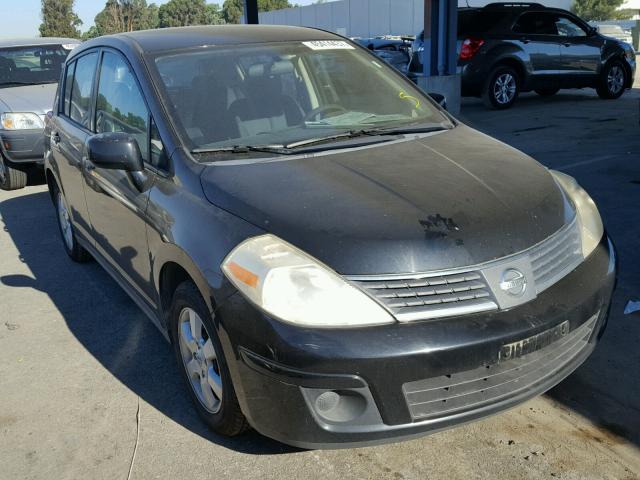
point(328, 45)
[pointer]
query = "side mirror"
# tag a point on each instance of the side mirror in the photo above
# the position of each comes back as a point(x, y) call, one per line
point(592, 31)
point(439, 99)
point(115, 151)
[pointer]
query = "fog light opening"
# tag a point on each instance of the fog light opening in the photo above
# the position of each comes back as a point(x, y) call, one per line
point(340, 406)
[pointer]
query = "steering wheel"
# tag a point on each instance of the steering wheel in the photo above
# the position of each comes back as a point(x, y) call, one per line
point(321, 112)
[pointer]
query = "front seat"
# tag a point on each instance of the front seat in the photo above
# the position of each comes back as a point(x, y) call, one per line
point(265, 108)
point(210, 114)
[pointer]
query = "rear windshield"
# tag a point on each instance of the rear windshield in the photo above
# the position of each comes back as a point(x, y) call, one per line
point(481, 21)
point(31, 65)
point(286, 92)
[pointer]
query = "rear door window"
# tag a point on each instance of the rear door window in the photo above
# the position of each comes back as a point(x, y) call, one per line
point(536, 23)
point(80, 99)
point(68, 84)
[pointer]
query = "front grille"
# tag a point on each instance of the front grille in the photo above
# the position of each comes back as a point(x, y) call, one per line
point(475, 289)
point(472, 389)
point(554, 258)
point(432, 296)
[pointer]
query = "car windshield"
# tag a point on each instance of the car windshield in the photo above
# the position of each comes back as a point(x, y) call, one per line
point(31, 65)
point(287, 93)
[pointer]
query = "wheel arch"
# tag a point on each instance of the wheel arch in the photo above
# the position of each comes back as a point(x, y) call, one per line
point(517, 65)
point(173, 266)
point(52, 181)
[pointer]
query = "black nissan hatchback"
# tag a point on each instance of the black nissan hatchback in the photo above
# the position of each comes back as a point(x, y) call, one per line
point(335, 260)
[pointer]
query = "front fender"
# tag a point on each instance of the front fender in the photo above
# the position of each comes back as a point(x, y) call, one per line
point(184, 228)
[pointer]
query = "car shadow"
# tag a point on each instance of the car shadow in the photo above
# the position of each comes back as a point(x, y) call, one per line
point(106, 322)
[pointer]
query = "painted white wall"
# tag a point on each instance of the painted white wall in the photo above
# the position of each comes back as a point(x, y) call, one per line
point(369, 18)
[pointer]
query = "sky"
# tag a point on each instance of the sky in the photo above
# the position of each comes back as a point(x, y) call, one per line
point(22, 18)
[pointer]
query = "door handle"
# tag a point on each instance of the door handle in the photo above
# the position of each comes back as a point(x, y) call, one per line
point(566, 44)
point(525, 40)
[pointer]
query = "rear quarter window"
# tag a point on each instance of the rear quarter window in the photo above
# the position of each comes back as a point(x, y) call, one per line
point(478, 22)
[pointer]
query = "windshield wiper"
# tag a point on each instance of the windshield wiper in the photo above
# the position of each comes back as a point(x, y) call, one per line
point(296, 147)
point(328, 138)
point(279, 149)
point(407, 130)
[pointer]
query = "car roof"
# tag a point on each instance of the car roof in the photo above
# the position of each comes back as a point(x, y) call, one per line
point(34, 41)
point(178, 38)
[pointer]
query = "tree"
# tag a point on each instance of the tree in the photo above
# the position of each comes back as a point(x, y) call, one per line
point(124, 16)
point(596, 10)
point(59, 19)
point(180, 13)
point(233, 10)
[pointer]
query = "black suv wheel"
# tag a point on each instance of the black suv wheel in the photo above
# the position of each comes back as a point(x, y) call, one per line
point(502, 88)
point(613, 79)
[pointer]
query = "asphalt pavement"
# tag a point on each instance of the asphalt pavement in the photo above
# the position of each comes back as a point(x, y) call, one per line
point(89, 388)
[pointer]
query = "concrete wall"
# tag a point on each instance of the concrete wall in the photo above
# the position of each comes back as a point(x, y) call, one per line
point(367, 18)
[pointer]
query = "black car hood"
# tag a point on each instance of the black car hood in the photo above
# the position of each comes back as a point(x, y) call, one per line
point(452, 199)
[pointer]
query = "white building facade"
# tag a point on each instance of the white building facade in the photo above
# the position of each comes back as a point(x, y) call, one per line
point(368, 18)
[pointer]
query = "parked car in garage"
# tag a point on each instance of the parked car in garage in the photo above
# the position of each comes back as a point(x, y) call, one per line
point(395, 51)
point(508, 48)
point(29, 73)
point(335, 261)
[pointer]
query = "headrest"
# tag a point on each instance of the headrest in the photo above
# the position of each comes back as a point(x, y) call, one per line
point(276, 68)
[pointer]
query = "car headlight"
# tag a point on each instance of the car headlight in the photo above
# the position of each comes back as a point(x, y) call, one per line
point(20, 121)
point(290, 285)
point(591, 228)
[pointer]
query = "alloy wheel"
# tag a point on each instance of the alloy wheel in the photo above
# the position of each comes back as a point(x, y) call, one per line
point(504, 88)
point(615, 79)
point(199, 359)
point(65, 222)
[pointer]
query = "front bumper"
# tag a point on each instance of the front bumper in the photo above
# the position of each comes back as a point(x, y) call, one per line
point(280, 371)
point(22, 146)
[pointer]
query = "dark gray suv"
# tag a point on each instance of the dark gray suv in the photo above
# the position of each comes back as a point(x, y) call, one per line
point(508, 48)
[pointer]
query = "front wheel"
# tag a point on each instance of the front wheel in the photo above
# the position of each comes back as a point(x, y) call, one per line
point(502, 88)
point(202, 363)
point(613, 80)
point(11, 178)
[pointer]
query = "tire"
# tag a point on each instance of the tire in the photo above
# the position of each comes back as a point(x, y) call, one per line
point(201, 360)
point(11, 178)
point(613, 80)
point(502, 88)
point(76, 252)
point(546, 92)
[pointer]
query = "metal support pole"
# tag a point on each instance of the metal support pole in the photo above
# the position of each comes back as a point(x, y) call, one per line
point(431, 37)
point(251, 12)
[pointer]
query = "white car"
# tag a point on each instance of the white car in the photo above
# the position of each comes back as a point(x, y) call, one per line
point(617, 32)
